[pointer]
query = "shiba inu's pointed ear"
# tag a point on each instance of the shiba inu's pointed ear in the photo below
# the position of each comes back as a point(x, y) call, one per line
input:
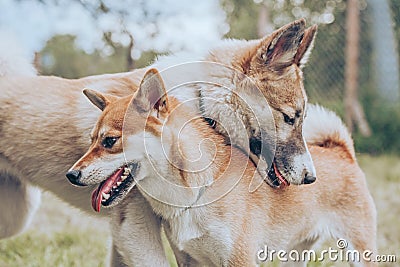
point(151, 93)
point(306, 45)
point(278, 50)
point(98, 99)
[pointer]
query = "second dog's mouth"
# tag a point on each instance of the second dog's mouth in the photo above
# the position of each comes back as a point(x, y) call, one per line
point(276, 178)
point(115, 187)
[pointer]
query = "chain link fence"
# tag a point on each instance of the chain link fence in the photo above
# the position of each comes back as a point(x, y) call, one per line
point(378, 74)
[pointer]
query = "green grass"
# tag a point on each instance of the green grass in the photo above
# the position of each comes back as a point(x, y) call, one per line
point(383, 175)
point(60, 249)
point(58, 236)
point(61, 236)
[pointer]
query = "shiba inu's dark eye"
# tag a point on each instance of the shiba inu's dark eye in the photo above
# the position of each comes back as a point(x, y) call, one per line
point(109, 142)
point(288, 119)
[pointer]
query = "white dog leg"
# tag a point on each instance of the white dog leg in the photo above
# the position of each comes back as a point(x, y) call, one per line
point(18, 203)
point(136, 233)
point(116, 259)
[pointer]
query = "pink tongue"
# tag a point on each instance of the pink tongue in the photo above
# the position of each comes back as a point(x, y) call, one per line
point(284, 183)
point(104, 187)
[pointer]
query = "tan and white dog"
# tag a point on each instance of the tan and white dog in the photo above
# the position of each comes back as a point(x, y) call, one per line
point(200, 186)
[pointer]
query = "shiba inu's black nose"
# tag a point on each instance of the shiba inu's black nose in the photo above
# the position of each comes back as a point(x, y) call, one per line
point(73, 176)
point(309, 179)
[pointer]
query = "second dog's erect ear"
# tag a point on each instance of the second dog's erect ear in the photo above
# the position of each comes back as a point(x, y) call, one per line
point(278, 50)
point(306, 45)
point(151, 93)
point(98, 99)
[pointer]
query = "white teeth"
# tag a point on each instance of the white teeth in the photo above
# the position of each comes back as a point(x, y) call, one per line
point(105, 196)
point(114, 187)
point(126, 171)
point(119, 183)
point(123, 177)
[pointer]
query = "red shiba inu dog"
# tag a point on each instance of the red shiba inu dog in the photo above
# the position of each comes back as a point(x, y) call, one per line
point(199, 186)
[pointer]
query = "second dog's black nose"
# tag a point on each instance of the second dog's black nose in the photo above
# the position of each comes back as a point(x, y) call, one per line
point(309, 179)
point(73, 176)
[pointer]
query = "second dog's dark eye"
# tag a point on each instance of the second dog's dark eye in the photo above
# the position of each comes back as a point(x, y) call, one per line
point(109, 142)
point(288, 119)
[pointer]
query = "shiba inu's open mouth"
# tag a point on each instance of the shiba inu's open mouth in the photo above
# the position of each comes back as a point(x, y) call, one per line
point(114, 188)
point(276, 177)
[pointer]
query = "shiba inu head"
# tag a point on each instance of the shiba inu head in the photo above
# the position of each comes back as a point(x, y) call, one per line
point(107, 162)
point(104, 163)
point(268, 73)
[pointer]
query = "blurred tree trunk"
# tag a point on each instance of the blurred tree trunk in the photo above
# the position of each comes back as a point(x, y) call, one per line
point(354, 112)
point(130, 61)
point(386, 54)
point(264, 25)
point(37, 62)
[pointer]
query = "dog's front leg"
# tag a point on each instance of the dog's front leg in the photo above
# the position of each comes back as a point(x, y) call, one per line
point(136, 233)
point(182, 258)
point(18, 201)
point(116, 259)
